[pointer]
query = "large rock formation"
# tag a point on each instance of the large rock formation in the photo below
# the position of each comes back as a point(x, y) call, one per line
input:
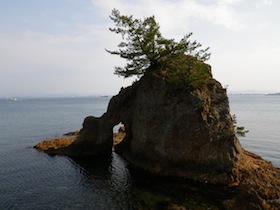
point(178, 124)
point(184, 133)
point(183, 129)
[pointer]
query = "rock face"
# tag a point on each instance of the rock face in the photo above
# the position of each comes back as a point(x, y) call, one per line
point(257, 184)
point(187, 134)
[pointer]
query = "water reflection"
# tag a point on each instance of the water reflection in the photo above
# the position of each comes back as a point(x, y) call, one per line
point(108, 179)
point(93, 167)
point(111, 169)
point(114, 184)
point(120, 174)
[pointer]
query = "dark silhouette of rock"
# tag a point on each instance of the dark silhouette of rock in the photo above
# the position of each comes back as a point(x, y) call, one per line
point(95, 138)
point(187, 134)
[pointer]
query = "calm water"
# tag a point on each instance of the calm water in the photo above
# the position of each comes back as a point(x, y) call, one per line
point(33, 180)
point(260, 115)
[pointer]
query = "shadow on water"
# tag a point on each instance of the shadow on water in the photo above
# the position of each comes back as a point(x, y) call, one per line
point(124, 187)
point(108, 180)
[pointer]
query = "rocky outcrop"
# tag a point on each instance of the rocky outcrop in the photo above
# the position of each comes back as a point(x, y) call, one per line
point(54, 144)
point(257, 184)
point(95, 138)
point(187, 134)
point(182, 130)
point(51, 146)
point(180, 127)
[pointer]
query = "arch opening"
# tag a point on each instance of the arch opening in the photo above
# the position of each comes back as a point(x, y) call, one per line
point(119, 133)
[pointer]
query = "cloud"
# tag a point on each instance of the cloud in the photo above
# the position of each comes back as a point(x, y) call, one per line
point(66, 50)
point(178, 15)
point(228, 2)
point(262, 3)
point(78, 56)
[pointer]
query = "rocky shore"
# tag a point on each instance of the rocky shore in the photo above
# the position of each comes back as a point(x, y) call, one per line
point(179, 125)
point(58, 143)
point(255, 182)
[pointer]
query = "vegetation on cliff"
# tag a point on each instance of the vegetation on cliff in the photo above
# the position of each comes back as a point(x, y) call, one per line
point(146, 49)
point(239, 130)
point(185, 71)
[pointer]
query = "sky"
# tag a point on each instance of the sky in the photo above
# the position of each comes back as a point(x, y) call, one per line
point(57, 47)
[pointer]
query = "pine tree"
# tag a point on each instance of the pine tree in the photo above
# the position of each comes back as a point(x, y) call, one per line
point(144, 47)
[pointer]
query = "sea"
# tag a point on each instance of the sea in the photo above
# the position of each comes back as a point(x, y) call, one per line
point(30, 179)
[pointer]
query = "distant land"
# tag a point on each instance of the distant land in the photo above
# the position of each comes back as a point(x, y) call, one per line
point(54, 96)
point(262, 92)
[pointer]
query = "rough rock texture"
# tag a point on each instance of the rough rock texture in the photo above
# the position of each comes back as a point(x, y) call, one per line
point(187, 134)
point(257, 184)
point(54, 144)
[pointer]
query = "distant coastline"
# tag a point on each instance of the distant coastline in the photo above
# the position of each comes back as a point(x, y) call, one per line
point(273, 94)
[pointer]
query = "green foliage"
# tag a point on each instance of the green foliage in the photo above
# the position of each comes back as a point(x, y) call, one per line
point(185, 71)
point(239, 130)
point(144, 47)
point(199, 74)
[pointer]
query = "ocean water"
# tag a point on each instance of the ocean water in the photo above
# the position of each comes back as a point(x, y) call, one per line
point(30, 179)
point(260, 114)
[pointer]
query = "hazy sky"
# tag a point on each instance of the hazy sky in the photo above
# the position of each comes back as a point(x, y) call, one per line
point(57, 47)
